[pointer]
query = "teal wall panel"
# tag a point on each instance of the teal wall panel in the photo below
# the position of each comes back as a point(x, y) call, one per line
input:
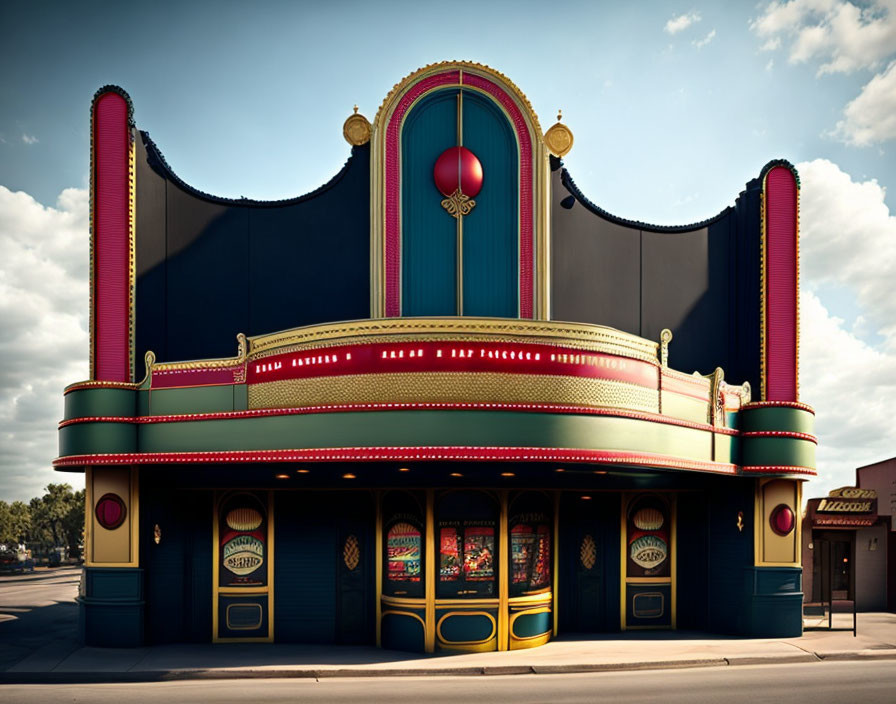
point(491, 235)
point(403, 632)
point(178, 567)
point(429, 236)
point(775, 600)
point(531, 625)
point(464, 628)
point(305, 554)
point(111, 610)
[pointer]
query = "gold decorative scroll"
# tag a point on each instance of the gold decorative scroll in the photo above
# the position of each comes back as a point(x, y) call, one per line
point(458, 204)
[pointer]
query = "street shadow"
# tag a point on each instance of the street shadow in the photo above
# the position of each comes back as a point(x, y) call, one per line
point(30, 621)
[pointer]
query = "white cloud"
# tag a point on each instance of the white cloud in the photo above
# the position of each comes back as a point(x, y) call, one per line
point(700, 43)
point(843, 36)
point(43, 339)
point(681, 22)
point(29, 139)
point(847, 238)
point(871, 117)
point(770, 65)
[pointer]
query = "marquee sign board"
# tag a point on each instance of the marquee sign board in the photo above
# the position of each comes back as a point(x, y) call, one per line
point(846, 507)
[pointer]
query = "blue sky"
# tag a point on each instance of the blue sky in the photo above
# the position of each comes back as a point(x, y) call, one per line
point(674, 107)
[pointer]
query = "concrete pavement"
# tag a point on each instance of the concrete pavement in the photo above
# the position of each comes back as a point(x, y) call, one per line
point(54, 656)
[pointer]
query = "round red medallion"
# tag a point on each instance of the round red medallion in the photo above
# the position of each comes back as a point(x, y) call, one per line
point(782, 519)
point(110, 511)
point(458, 168)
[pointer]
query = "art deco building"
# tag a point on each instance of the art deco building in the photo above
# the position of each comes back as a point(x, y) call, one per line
point(443, 402)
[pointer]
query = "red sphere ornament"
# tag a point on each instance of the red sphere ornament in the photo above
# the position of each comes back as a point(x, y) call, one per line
point(110, 511)
point(782, 519)
point(458, 168)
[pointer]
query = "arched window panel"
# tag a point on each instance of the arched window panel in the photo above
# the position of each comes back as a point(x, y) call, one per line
point(530, 544)
point(403, 552)
point(468, 529)
point(648, 538)
point(243, 542)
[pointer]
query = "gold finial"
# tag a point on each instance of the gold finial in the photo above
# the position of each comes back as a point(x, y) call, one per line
point(148, 360)
point(558, 139)
point(665, 339)
point(356, 129)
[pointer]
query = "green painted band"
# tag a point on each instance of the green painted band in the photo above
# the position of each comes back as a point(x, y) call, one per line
point(777, 451)
point(428, 428)
point(82, 403)
point(794, 420)
point(84, 438)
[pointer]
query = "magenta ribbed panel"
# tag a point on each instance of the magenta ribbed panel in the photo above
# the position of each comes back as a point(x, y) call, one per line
point(111, 307)
point(781, 283)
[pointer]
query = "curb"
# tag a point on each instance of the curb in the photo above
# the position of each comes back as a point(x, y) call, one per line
point(882, 654)
point(128, 677)
point(773, 659)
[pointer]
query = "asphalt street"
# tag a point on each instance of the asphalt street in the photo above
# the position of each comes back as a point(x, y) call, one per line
point(819, 683)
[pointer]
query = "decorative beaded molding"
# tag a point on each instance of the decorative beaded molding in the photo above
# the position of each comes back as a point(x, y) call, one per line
point(779, 404)
point(594, 337)
point(405, 453)
point(779, 434)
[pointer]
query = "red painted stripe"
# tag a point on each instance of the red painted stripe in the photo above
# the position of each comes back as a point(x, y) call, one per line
point(169, 378)
point(111, 252)
point(779, 434)
point(431, 406)
point(455, 357)
point(405, 453)
point(781, 267)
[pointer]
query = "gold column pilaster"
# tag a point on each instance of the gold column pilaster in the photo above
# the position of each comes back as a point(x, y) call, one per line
point(430, 576)
point(622, 549)
point(673, 589)
point(378, 569)
point(556, 576)
point(503, 581)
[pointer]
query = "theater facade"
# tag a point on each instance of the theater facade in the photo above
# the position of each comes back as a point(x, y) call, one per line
point(443, 402)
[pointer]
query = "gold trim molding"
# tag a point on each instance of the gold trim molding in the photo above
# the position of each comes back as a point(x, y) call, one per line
point(596, 338)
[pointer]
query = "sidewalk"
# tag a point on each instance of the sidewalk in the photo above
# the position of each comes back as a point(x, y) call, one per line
point(52, 663)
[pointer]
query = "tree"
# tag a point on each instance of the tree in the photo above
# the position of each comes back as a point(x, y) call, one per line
point(15, 523)
point(57, 518)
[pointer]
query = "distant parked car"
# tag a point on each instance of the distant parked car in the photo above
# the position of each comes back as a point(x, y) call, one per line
point(57, 556)
point(16, 559)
